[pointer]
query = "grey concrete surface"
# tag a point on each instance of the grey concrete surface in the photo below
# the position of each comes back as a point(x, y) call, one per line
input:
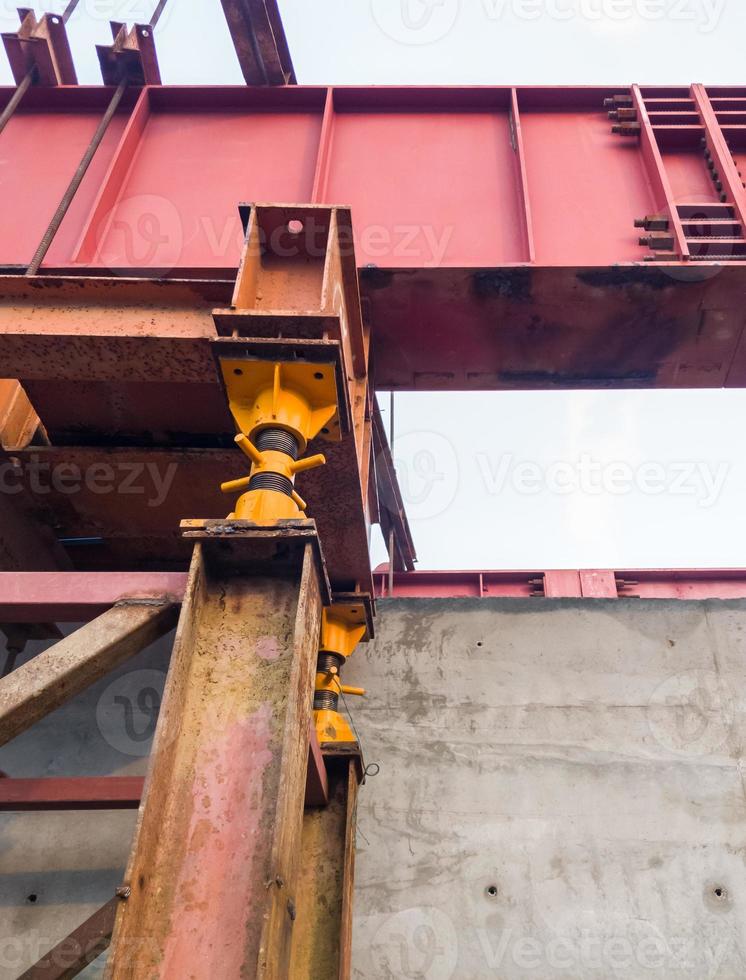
point(560, 795)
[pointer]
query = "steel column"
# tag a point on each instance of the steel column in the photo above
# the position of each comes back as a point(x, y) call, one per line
point(214, 866)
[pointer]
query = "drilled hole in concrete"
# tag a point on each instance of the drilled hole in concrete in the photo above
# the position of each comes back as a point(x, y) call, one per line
point(295, 226)
point(479, 643)
point(492, 891)
point(719, 892)
point(32, 897)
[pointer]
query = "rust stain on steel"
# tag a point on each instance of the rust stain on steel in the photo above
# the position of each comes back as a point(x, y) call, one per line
point(321, 941)
point(226, 782)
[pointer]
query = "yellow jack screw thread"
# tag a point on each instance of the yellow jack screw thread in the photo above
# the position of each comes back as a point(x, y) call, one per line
point(270, 492)
point(340, 634)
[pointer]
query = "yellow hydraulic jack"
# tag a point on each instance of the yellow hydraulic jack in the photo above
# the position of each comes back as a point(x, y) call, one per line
point(278, 407)
point(342, 628)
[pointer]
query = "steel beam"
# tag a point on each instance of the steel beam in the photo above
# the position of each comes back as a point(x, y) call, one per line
point(260, 42)
point(323, 929)
point(74, 663)
point(216, 894)
point(76, 597)
point(73, 954)
point(565, 584)
point(71, 793)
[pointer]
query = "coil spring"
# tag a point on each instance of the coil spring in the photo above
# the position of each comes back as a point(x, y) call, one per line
point(271, 481)
point(278, 440)
point(325, 701)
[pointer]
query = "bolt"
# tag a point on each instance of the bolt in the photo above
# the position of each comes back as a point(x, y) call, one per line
point(123, 892)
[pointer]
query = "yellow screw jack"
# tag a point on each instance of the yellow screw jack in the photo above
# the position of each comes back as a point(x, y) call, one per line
point(278, 408)
point(342, 628)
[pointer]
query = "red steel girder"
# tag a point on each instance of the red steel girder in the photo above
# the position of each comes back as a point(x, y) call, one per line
point(686, 584)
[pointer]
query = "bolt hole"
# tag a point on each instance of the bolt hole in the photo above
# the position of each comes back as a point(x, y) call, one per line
point(55, 20)
point(237, 371)
point(295, 226)
point(719, 892)
point(32, 897)
point(319, 375)
point(353, 611)
point(325, 431)
point(492, 891)
point(145, 34)
point(479, 643)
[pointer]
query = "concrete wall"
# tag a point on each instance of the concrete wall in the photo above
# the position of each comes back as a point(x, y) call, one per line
point(560, 794)
point(561, 791)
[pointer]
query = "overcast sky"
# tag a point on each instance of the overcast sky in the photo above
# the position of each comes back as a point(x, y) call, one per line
point(514, 480)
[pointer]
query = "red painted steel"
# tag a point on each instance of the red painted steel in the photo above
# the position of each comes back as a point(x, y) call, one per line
point(74, 597)
point(495, 226)
point(447, 177)
point(71, 793)
point(40, 148)
point(565, 583)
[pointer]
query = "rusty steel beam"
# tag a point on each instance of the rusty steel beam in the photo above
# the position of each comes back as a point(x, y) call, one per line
point(19, 423)
point(71, 793)
point(42, 47)
point(259, 39)
point(323, 929)
point(391, 511)
point(73, 954)
point(74, 663)
point(216, 895)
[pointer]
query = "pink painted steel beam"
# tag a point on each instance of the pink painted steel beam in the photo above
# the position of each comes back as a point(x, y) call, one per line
point(565, 584)
point(73, 597)
point(73, 793)
point(124, 792)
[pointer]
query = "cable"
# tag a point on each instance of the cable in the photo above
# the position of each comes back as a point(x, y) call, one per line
point(69, 10)
point(157, 13)
point(15, 99)
point(78, 176)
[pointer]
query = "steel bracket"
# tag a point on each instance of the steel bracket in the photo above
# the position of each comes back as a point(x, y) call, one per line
point(41, 44)
point(132, 56)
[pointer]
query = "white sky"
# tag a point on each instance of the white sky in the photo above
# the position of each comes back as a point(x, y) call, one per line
point(514, 480)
